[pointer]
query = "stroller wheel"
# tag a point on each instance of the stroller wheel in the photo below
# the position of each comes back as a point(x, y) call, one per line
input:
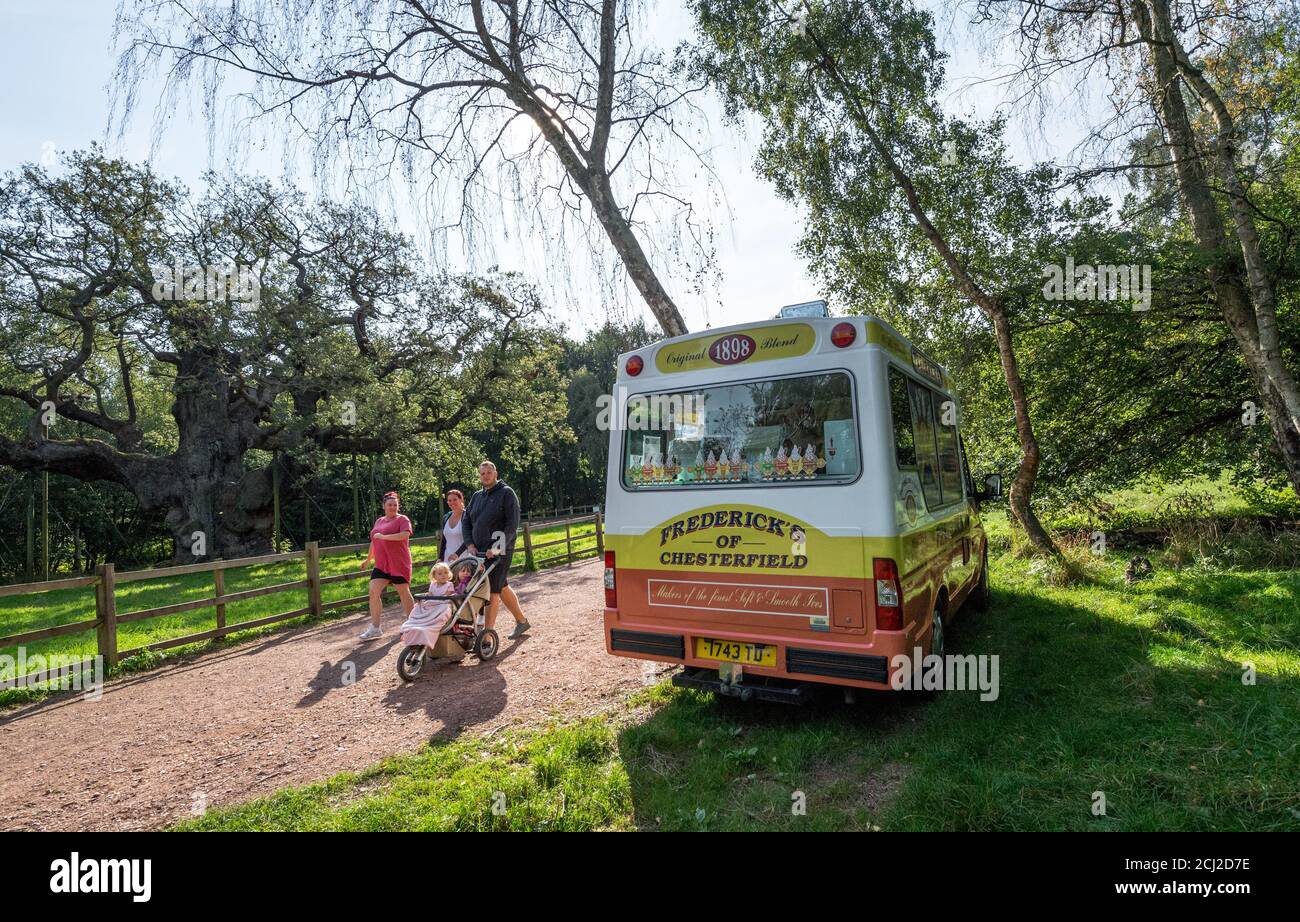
point(486, 644)
point(411, 661)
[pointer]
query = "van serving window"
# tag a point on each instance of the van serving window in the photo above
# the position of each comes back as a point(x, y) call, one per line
point(949, 459)
point(778, 431)
point(926, 439)
point(901, 414)
point(922, 401)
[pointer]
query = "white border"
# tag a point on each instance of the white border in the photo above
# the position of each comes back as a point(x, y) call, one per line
point(825, 613)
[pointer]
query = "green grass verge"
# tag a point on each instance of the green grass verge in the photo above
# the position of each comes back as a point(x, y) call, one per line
point(1158, 504)
point(1135, 692)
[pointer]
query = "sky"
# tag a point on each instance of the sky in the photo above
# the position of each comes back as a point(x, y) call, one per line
point(57, 61)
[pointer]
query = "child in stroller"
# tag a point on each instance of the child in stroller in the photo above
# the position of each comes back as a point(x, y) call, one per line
point(448, 619)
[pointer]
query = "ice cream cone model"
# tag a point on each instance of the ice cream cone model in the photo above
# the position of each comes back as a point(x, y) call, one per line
point(711, 466)
point(648, 470)
point(765, 464)
point(724, 467)
point(796, 462)
point(697, 469)
point(811, 463)
point(781, 466)
point(738, 467)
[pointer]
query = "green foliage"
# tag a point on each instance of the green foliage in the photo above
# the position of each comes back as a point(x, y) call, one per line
point(355, 367)
point(1115, 392)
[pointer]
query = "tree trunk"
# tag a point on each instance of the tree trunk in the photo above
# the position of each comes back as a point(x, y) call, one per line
point(634, 258)
point(589, 172)
point(230, 517)
point(1237, 275)
point(1022, 487)
point(212, 505)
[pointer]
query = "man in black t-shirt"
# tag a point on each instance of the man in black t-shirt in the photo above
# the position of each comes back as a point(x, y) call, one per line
point(490, 523)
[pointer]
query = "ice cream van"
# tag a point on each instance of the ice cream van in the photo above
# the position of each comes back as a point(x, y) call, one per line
point(788, 503)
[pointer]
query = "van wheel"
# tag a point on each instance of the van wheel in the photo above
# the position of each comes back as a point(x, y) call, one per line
point(936, 648)
point(937, 631)
point(981, 597)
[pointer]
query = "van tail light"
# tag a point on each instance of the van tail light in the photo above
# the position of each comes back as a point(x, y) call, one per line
point(843, 335)
point(611, 594)
point(889, 595)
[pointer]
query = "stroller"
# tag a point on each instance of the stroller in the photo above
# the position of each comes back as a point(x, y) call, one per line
point(464, 632)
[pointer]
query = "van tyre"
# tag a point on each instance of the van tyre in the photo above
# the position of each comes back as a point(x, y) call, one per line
point(981, 597)
point(938, 630)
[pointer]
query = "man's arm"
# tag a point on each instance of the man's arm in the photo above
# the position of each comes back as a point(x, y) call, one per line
point(510, 516)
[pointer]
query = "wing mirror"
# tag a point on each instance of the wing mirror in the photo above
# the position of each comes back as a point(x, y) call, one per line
point(992, 487)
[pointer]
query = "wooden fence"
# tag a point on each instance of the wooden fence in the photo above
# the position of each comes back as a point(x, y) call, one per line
point(538, 519)
point(107, 579)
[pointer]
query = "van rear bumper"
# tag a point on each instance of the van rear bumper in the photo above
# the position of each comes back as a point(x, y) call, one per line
point(670, 645)
point(797, 659)
point(704, 680)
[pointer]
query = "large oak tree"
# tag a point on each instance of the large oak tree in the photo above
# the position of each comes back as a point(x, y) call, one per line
point(340, 344)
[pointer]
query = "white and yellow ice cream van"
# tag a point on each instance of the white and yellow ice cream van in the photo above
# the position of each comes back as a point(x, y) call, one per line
point(788, 502)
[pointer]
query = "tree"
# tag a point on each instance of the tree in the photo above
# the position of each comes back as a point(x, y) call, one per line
point(846, 93)
point(1217, 147)
point(1118, 394)
point(276, 325)
point(592, 366)
point(438, 84)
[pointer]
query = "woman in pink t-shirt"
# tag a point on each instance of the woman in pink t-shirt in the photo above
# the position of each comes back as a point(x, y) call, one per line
point(390, 549)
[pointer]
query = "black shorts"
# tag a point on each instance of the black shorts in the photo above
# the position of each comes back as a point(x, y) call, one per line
point(497, 578)
point(377, 573)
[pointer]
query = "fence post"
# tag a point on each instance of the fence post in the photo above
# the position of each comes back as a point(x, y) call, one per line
point(529, 566)
point(106, 613)
point(600, 536)
point(219, 583)
point(31, 535)
point(568, 540)
point(313, 577)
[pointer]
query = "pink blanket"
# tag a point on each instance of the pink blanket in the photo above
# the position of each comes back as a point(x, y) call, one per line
point(429, 618)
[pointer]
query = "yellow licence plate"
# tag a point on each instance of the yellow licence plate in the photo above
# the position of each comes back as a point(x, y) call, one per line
point(731, 651)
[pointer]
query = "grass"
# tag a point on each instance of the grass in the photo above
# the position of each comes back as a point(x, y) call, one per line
point(31, 612)
point(1158, 504)
point(564, 778)
point(1136, 692)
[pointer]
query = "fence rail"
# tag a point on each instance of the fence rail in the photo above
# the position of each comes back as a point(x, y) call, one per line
point(559, 515)
point(106, 580)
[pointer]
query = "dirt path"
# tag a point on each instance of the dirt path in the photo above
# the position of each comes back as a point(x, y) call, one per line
point(229, 726)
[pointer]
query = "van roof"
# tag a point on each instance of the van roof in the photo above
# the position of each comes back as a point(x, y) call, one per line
point(877, 333)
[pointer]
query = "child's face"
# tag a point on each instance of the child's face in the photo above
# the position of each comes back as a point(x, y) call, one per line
point(441, 575)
